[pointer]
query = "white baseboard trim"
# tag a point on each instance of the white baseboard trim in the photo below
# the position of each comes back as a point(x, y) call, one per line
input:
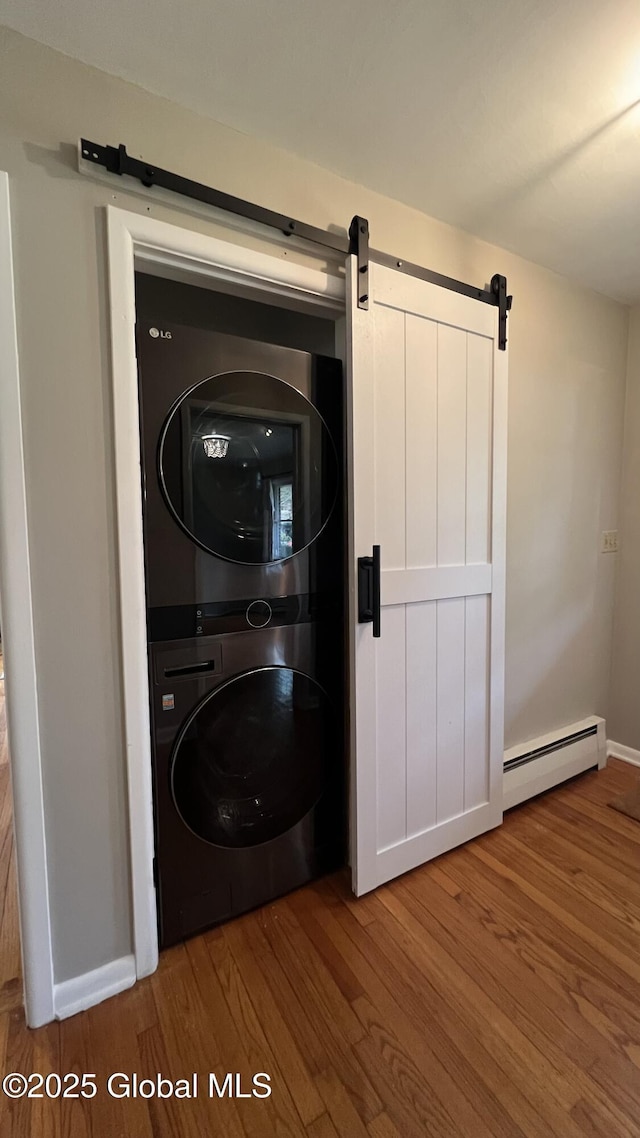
point(620, 751)
point(82, 992)
point(557, 765)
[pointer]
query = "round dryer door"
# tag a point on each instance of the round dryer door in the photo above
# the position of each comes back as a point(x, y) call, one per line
point(252, 759)
point(248, 467)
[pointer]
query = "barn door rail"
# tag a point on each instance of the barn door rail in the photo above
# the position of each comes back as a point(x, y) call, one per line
point(116, 161)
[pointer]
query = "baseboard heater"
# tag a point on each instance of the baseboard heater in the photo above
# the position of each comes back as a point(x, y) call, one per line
point(539, 764)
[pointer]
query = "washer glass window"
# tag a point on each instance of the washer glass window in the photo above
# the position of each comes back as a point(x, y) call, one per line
point(247, 467)
point(253, 758)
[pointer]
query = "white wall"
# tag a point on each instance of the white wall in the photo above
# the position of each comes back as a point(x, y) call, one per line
point(624, 710)
point(565, 421)
point(568, 355)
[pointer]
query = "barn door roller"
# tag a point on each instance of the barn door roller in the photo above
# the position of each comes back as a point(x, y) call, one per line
point(499, 290)
point(359, 244)
point(116, 160)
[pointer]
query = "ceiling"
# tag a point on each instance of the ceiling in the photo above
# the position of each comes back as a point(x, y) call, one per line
point(518, 121)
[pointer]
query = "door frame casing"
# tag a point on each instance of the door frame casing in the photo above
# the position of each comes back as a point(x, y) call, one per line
point(21, 687)
point(135, 240)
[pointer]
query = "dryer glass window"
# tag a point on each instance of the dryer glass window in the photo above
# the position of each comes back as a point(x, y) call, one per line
point(252, 761)
point(248, 468)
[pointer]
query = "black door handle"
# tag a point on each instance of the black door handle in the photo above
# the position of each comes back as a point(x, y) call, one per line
point(369, 590)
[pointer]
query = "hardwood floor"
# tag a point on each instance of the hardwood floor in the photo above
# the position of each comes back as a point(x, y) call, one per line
point(491, 994)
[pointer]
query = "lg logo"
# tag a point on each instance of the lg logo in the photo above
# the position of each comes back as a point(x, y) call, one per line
point(157, 332)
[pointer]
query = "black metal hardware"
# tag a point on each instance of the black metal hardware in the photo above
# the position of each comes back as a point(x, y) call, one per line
point(369, 590)
point(116, 160)
point(376, 590)
point(359, 246)
point(499, 290)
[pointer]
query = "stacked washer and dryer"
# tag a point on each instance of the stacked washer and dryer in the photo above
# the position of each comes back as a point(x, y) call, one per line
point(243, 504)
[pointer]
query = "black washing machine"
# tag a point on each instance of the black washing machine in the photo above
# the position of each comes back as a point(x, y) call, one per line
point(244, 558)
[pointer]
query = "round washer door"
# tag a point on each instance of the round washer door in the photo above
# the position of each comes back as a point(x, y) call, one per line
point(247, 467)
point(253, 757)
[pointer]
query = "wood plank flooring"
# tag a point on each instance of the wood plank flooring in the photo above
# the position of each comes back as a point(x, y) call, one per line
point(490, 994)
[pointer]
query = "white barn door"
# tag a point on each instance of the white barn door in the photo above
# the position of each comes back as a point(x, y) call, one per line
point(428, 390)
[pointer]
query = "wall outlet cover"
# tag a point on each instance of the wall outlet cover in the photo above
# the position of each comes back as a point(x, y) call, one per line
point(610, 541)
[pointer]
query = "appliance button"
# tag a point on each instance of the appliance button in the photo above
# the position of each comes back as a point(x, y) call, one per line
point(258, 614)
